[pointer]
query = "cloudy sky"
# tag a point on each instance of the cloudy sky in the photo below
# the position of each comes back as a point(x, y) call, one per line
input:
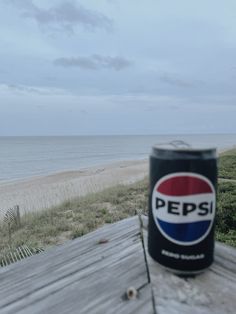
point(81, 67)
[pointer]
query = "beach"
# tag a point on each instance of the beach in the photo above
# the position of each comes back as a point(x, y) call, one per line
point(74, 216)
point(42, 192)
point(34, 172)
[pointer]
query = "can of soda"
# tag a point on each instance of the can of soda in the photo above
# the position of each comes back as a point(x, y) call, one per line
point(182, 205)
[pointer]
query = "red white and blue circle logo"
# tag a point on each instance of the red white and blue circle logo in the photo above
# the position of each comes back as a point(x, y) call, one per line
point(183, 207)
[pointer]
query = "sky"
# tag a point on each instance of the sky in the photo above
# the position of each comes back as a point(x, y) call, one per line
point(89, 67)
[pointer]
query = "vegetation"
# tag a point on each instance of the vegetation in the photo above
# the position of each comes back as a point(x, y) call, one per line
point(226, 213)
point(226, 202)
point(74, 218)
point(227, 165)
point(77, 217)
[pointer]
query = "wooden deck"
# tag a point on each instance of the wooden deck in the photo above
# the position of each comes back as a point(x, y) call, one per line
point(92, 274)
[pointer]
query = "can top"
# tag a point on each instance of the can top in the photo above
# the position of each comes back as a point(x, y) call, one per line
point(182, 150)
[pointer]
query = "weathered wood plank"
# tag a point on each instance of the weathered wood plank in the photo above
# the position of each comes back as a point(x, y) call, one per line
point(84, 276)
point(80, 276)
point(213, 291)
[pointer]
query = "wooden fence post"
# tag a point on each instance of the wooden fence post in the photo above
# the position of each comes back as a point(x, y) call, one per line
point(17, 208)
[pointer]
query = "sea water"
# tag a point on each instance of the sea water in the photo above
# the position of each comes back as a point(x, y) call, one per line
point(24, 157)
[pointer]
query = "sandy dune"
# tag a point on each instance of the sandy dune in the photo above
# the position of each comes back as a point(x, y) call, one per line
point(43, 192)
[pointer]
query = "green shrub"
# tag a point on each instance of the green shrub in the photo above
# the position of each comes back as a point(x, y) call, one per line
point(227, 165)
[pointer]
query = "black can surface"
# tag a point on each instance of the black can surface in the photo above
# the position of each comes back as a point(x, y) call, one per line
point(182, 204)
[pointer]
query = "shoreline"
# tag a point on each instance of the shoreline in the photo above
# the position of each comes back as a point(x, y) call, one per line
point(58, 172)
point(42, 229)
point(86, 168)
point(42, 192)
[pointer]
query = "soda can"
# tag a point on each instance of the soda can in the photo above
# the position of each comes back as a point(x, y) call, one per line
point(182, 206)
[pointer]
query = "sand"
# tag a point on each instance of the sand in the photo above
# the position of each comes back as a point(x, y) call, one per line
point(43, 192)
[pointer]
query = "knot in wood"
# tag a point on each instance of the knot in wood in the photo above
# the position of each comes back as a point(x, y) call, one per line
point(131, 293)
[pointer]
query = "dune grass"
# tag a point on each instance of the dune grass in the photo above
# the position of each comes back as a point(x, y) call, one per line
point(226, 213)
point(77, 217)
point(226, 200)
point(227, 165)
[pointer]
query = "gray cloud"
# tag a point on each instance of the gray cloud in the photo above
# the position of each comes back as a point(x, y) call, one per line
point(94, 62)
point(23, 89)
point(65, 16)
point(175, 81)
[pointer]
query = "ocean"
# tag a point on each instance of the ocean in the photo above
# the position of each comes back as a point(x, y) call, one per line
point(25, 157)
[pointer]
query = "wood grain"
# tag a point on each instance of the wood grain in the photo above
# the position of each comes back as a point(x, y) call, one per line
point(82, 276)
point(91, 275)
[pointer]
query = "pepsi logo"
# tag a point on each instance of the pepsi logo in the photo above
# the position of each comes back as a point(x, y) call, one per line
point(183, 207)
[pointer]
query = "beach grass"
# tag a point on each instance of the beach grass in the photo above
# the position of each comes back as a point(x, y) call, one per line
point(227, 165)
point(226, 213)
point(76, 217)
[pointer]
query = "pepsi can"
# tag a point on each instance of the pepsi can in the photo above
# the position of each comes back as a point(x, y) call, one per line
point(182, 206)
